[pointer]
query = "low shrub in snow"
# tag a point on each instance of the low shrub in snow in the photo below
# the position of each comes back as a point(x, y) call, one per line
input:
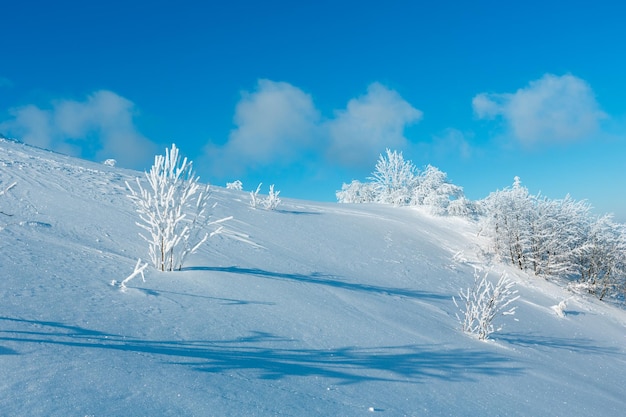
point(482, 303)
point(235, 185)
point(173, 210)
point(139, 268)
point(270, 202)
point(559, 309)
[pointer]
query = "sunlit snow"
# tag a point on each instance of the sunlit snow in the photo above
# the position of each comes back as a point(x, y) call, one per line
point(312, 309)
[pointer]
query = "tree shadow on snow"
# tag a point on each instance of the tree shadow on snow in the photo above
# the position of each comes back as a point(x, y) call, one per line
point(580, 345)
point(220, 300)
point(324, 279)
point(299, 212)
point(7, 351)
point(267, 356)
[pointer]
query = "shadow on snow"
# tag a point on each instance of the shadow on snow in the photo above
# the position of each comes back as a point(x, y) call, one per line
point(323, 279)
point(270, 357)
point(579, 345)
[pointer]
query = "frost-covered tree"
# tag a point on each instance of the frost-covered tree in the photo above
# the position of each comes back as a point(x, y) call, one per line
point(173, 210)
point(508, 218)
point(558, 238)
point(483, 302)
point(433, 189)
point(394, 179)
point(555, 233)
point(464, 207)
point(600, 259)
point(357, 192)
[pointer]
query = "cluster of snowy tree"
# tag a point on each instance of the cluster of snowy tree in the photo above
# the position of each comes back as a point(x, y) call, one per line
point(397, 181)
point(557, 239)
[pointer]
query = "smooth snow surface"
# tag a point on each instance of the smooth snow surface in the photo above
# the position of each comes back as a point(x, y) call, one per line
point(310, 310)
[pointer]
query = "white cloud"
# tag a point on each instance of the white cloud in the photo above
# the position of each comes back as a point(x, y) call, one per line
point(99, 128)
point(279, 125)
point(551, 109)
point(370, 124)
point(30, 124)
point(275, 124)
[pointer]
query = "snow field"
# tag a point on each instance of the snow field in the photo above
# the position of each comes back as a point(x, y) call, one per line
point(310, 309)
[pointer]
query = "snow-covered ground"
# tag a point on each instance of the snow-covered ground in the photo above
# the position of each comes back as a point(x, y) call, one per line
point(315, 310)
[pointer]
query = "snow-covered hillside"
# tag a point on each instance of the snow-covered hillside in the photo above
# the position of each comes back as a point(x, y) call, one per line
point(315, 310)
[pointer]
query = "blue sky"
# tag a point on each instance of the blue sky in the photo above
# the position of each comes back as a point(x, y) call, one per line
point(307, 94)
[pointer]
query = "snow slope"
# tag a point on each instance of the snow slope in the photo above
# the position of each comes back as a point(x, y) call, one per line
point(315, 310)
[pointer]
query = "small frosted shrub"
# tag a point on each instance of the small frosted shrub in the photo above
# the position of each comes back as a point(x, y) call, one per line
point(482, 303)
point(270, 202)
point(235, 185)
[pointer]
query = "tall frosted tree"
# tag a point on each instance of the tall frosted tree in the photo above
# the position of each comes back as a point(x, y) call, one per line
point(394, 178)
point(508, 216)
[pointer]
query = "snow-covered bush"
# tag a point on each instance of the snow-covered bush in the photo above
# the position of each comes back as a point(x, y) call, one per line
point(235, 185)
point(255, 200)
point(463, 207)
point(110, 162)
point(139, 268)
point(357, 192)
point(433, 189)
point(269, 203)
point(173, 210)
point(559, 309)
point(272, 201)
point(482, 303)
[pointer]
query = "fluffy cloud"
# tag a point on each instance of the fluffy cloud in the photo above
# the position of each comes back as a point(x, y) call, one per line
point(98, 128)
point(274, 125)
point(551, 109)
point(368, 125)
point(278, 124)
